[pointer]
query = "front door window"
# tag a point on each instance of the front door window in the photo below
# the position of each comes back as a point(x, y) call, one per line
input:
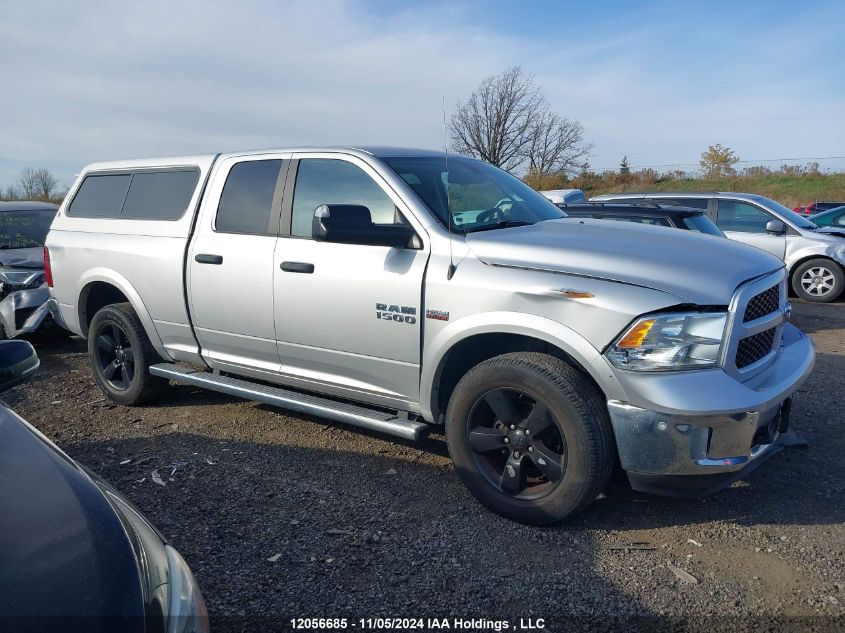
point(741, 217)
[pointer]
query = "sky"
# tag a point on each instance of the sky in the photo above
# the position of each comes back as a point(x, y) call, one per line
point(85, 81)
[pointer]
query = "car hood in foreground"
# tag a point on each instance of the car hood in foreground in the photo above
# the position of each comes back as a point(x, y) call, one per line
point(22, 257)
point(699, 269)
point(64, 551)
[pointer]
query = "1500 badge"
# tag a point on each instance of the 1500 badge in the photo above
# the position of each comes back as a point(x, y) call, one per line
point(397, 313)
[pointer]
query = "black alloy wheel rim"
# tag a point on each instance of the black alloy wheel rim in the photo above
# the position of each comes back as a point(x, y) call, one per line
point(115, 357)
point(516, 443)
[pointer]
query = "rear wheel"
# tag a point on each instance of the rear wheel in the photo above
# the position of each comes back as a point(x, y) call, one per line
point(120, 354)
point(530, 437)
point(818, 280)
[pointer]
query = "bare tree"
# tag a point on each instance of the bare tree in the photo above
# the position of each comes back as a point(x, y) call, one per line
point(10, 193)
point(46, 183)
point(37, 183)
point(495, 122)
point(27, 183)
point(557, 144)
point(508, 123)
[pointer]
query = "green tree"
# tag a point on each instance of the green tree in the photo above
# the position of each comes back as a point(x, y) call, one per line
point(718, 161)
point(624, 166)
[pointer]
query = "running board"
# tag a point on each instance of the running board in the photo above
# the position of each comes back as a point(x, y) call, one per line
point(356, 415)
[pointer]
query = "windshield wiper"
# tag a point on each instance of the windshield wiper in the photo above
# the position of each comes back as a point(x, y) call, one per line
point(504, 224)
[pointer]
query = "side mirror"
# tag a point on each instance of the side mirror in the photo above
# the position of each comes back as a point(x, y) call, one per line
point(353, 224)
point(18, 361)
point(775, 227)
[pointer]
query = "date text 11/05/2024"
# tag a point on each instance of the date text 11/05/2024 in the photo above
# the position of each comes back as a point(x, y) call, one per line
point(418, 624)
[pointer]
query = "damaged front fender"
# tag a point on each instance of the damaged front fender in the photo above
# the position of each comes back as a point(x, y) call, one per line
point(23, 311)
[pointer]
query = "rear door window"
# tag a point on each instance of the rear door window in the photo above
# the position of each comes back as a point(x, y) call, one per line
point(692, 203)
point(249, 196)
point(742, 217)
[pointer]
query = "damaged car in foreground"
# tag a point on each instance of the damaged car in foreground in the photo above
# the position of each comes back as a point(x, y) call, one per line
point(23, 288)
point(77, 556)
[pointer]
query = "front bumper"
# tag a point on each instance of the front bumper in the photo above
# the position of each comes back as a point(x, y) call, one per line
point(24, 311)
point(701, 432)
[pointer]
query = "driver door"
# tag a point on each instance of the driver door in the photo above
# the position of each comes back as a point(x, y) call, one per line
point(348, 316)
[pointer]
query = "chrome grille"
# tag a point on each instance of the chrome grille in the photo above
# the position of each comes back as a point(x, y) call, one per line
point(762, 304)
point(755, 347)
point(756, 322)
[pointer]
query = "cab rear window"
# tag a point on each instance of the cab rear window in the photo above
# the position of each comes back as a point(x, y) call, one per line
point(141, 195)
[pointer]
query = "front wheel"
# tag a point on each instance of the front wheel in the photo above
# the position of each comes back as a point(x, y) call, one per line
point(530, 437)
point(120, 354)
point(818, 280)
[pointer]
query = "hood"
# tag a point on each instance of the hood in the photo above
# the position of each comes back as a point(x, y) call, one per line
point(22, 257)
point(699, 269)
point(64, 550)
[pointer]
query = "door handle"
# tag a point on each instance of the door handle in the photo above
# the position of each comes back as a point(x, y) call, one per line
point(208, 259)
point(297, 267)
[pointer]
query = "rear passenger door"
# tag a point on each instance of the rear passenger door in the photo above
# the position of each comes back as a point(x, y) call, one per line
point(746, 223)
point(348, 316)
point(230, 265)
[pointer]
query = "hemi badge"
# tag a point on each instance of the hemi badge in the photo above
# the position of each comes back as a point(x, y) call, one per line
point(437, 315)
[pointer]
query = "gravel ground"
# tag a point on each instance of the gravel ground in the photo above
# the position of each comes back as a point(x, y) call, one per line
point(284, 516)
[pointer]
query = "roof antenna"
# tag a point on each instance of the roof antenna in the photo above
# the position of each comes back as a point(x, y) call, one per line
point(451, 270)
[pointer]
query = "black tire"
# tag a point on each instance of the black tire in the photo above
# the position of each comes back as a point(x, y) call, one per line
point(120, 354)
point(577, 424)
point(818, 280)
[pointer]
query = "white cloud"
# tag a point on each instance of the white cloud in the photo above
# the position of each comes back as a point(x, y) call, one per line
point(96, 81)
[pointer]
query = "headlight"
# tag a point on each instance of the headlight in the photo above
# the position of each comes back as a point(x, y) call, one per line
point(186, 609)
point(665, 342)
point(18, 277)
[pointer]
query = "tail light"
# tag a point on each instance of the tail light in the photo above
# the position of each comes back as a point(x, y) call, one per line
point(48, 272)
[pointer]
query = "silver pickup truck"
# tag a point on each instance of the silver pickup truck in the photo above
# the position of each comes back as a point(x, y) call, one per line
point(398, 290)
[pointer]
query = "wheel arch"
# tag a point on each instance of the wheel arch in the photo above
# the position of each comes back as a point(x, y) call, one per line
point(101, 287)
point(472, 340)
point(805, 255)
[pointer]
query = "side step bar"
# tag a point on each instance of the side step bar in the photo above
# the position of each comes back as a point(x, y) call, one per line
point(356, 415)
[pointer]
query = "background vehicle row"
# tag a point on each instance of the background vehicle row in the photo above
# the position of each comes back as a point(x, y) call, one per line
point(814, 256)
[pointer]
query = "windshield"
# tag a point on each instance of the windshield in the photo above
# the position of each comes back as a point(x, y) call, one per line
point(788, 214)
point(701, 223)
point(480, 196)
point(24, 229)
